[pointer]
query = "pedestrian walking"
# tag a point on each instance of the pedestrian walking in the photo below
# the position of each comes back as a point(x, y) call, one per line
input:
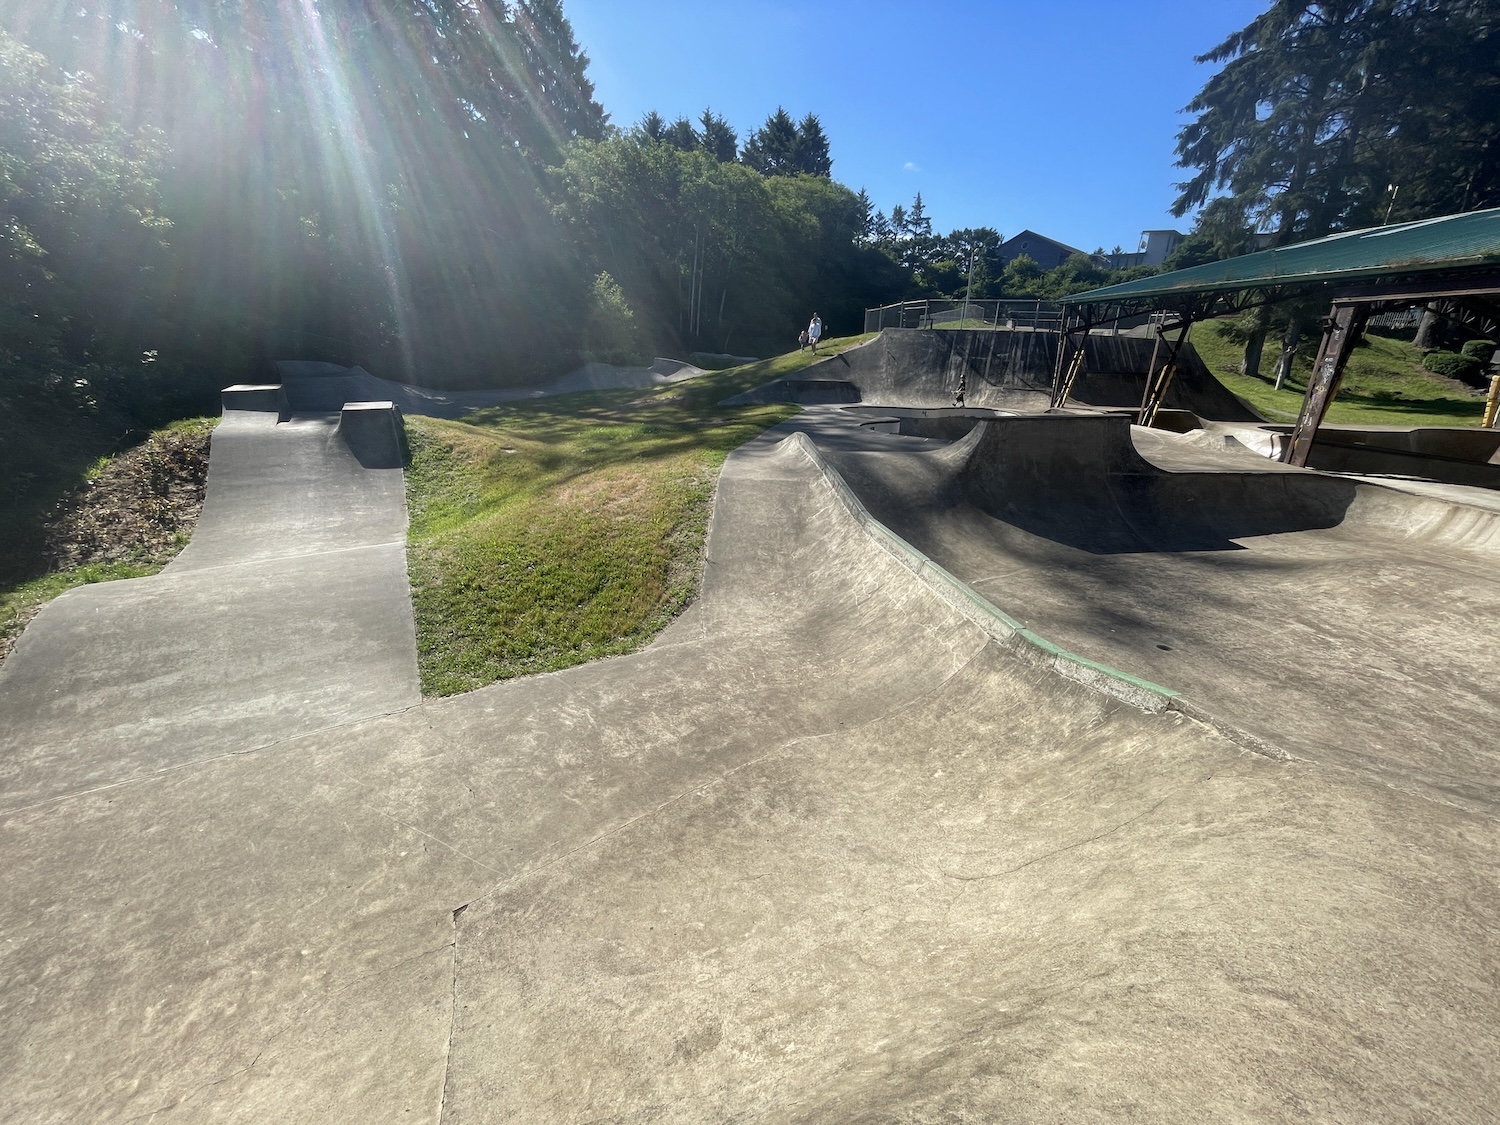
point(815, 332)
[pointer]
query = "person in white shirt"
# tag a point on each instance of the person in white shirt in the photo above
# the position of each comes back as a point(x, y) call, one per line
point(815, 331)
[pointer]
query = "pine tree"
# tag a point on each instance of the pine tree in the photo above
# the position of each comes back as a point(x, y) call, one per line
point(557, 67)
point(917, 220)
point(771, 149)
point(681, 134)
point(652, 127)
point(866, 231)
point(718, 137)
point(810, 151)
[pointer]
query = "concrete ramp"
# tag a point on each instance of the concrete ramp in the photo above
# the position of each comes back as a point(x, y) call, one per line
point(607, 376)
point(1002, 369)
point(1330, 617)
point(1079, 480)
point(309, 386)
point(288, 612)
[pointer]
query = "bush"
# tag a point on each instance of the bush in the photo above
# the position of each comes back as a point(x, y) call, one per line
point(611, 334)
point(1465, 368)
point(1481, 350)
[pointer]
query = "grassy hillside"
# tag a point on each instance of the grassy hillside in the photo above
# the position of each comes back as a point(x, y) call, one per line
point(555, 531)
point(1384, 383)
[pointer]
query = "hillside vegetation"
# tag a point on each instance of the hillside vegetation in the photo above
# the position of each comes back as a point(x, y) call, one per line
point(1384, 383)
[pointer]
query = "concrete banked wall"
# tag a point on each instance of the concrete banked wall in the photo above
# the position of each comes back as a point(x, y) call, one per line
point(1086, 485)
point(1004, 369)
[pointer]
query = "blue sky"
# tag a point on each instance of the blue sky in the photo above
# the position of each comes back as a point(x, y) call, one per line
point(1058, 116)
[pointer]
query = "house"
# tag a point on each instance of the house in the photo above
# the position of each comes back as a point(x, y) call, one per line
point(1045, 252)
point(1153, 250)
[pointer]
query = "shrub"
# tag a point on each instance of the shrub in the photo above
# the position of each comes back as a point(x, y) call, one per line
point(1481, 350)
point(611, 334)
point(1465, 368)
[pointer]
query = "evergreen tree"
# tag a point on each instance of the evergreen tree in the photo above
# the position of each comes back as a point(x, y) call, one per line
point(1443, 91)
point(718, 137)
point(1220, 231)
point(900, 228)
point(771, 149)
point(652, 126)
point(555, 64)
point(1322, 106)
point(917, 220)
point(866, 232)
point(810, 150)
point(681, 135)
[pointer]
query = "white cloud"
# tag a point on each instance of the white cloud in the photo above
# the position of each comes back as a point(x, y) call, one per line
point(910, 166)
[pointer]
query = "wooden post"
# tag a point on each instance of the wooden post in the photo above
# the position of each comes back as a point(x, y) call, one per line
point(1150, 377)
point(1341, 332)
point(1156, 391)
point(1063, 377)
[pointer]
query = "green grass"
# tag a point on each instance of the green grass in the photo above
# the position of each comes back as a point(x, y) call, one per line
point(552, 532)
point(20, 603)
point(1384, 383)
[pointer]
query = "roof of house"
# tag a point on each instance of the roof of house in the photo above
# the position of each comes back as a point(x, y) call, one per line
point(1033, 234)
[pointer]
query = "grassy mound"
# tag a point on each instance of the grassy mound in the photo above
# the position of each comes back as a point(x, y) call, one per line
point(1384, 382)
point(556, 531)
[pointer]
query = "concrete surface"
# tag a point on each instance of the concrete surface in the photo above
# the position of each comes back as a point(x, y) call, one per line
point(375, 434)
point(1004, 369)
point(823, 852)
point(288, 611)
point(1337, 620)
point(312, 386)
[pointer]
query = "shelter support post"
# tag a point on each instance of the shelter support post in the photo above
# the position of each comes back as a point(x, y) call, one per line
point(1159, 380)
point(1341, 332)
point(1070, 361)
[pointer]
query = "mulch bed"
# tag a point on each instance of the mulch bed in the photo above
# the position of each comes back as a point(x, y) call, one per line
point(139, 508)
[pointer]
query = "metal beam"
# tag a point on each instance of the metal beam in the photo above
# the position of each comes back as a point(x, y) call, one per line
point(1069, 362)
point(1341, 332)
point(1159, 381)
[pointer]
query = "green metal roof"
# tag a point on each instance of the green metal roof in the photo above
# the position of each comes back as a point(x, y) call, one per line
point(1402, 250)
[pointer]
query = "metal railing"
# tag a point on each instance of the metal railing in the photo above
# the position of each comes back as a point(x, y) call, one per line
point(1042, 315)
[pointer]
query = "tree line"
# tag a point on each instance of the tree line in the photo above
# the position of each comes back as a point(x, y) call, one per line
point(1335, 115)
point(430, 188)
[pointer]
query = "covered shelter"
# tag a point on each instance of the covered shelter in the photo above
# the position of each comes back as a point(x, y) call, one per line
point(1451, 262)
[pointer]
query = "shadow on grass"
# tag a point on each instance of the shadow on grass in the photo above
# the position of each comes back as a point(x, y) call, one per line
point(1395, 400)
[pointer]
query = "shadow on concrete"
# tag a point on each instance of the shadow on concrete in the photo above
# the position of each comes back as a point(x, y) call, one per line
point(1078, 480)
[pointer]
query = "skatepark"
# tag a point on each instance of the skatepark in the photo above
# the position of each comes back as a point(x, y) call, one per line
point(1013, 764)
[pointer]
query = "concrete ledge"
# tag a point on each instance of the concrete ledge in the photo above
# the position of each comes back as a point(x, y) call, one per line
point(253, 396)
point(374, 433)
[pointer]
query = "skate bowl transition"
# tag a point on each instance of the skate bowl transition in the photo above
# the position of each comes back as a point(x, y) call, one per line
point(1045, 769)
point(1005, 369)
